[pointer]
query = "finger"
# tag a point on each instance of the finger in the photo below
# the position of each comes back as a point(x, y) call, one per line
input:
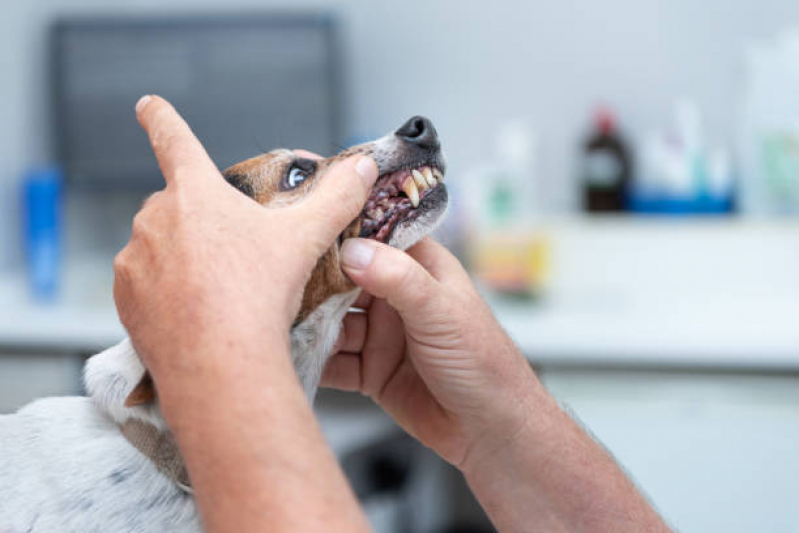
point(343, 372)
point(437, 260)
point(389, 273)
point(340, 195)
point(180, 155)
point(352, 336)
point(364, 301)
point(384, 348)
point(355, 326)
point(306, 154)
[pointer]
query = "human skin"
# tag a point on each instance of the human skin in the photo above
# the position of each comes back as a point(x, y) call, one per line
point(430, 353)
point(208, 283)
point(189, 288)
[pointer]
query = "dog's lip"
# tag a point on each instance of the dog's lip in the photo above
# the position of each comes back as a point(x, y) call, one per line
point(404, 171)
point(395, 198)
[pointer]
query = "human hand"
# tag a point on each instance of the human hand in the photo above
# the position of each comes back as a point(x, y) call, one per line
point(205, 262)
point(207, 288)
point(429, 351)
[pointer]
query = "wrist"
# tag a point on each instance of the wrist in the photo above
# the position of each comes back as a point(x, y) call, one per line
point(511, 417)
point(189, 377)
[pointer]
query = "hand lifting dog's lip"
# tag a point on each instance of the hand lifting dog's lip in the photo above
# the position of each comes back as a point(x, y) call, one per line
point(406, 203)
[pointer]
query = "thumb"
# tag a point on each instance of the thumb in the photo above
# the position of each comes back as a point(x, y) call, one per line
point(389, 273)
point(340, 195)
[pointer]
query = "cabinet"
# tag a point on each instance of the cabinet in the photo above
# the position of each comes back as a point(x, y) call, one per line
point(712, 451)
point(25, 377)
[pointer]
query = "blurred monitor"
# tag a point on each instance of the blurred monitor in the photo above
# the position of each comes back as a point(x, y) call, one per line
point(245, 85)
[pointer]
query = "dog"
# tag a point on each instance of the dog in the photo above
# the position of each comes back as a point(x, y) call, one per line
point(107, 462)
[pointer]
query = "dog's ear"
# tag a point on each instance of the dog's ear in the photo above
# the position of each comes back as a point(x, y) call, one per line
point(143, 393)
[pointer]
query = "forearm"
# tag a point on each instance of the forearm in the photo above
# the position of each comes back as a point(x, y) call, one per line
point(549, 475)
point(255, 454)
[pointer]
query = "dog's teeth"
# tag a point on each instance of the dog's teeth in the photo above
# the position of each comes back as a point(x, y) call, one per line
point(428, 175)
point(409, 186)
point(375, 214)
point(421, 183)
point(437, 173)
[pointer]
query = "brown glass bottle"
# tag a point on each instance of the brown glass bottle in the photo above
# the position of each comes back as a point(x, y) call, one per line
point(606, 169)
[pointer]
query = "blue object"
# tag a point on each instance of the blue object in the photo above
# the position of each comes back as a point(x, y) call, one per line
point(41, 208)
point(674, 205)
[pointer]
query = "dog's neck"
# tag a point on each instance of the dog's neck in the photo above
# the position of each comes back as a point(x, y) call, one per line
point(111, 375)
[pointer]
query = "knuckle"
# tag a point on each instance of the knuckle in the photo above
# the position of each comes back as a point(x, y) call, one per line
point(121, 264)
point(140, 223)
point(152, 200)
point(164, 139)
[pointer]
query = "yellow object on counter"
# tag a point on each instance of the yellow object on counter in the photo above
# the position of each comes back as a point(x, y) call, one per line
point(513, 262)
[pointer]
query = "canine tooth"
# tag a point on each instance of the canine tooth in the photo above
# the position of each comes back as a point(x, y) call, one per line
point(410, 189)
point(437, 173)
point(428, 175)
point(375, 214)
point(421, 183)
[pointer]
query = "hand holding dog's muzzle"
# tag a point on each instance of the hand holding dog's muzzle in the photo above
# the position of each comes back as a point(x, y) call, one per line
point(428, 349)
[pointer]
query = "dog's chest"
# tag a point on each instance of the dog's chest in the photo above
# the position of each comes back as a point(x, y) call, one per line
point(65, 467)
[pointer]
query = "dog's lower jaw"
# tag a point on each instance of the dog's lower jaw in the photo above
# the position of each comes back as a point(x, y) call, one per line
point(313, 339)
point(111, 375)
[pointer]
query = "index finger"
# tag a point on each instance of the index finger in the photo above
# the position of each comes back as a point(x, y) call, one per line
point(306, 154)
point(180, 155)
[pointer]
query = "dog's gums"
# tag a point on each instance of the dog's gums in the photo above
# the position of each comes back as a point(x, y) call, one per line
point(394, 197)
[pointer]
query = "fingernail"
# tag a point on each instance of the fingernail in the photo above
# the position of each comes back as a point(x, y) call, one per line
point(142, 103)
point(367, 169)
point(357, 254)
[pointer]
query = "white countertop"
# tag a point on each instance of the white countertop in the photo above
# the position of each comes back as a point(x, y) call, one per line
point(740, 334)
point(724, 295)
point(83, 319)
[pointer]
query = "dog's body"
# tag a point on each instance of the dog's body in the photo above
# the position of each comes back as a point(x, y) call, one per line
point(69, 464)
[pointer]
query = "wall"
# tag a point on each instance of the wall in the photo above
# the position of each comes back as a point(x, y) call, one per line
point(470, 65)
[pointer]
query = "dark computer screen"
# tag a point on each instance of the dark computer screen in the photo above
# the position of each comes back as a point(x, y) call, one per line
point(244, 84)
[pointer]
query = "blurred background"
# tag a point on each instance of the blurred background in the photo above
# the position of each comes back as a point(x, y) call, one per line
point(624, 178)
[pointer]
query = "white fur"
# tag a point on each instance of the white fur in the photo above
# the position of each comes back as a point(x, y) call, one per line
point(64, 465)
point(110, 377)
point(312, 340)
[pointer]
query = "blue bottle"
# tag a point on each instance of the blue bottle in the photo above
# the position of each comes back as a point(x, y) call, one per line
point(41, 208)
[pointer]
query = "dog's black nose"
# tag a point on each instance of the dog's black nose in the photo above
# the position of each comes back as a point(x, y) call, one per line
point(419, 131)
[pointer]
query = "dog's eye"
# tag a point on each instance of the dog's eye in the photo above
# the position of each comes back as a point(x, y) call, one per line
point(296, 176)
point(298, 172)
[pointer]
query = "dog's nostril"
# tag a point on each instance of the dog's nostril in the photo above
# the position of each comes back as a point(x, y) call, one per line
point(419, 131)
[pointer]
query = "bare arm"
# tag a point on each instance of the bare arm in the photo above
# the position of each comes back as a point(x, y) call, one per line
point(207, 289)
point(431, 353)
point(255, 453)
point(551, 476)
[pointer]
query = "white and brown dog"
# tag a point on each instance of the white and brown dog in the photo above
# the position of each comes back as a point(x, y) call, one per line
point(107, 462)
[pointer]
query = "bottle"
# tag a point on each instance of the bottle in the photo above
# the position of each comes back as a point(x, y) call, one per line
point(41, 202)
point(509, 249)
point(606, 171)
